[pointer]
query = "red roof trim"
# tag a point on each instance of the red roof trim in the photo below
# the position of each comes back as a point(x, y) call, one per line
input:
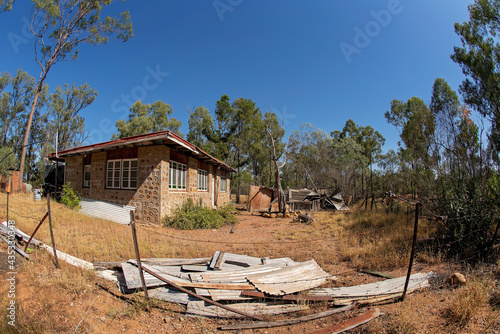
point(123, 141)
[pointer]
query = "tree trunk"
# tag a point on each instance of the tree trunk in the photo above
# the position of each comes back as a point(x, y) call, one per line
point(281, 193)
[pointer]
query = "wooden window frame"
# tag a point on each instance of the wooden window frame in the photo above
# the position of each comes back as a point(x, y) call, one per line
point(202, 180)
point(86, 183)
point(177, 178)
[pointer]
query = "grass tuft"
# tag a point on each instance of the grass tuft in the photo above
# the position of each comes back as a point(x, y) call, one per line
point(468, 302)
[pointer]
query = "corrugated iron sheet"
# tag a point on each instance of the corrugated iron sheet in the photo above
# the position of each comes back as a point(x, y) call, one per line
point(259, 198)
point(299, 277)
point(387, 287)
point(200, 308)
point(104, 210)
point(239, 276)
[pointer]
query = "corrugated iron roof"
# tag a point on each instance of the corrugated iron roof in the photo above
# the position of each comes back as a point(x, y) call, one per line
point(162, 137)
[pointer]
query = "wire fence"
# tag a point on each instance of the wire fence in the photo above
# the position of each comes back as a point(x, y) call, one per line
point(425, 213)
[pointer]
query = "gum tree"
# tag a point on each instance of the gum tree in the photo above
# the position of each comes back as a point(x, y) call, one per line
point(59, 27)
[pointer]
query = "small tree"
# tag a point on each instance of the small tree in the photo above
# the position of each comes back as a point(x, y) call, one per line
point(59, 28)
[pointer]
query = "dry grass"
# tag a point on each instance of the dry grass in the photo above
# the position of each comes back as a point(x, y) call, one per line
point(468, 302)
point(55, 300)
point(375, 240)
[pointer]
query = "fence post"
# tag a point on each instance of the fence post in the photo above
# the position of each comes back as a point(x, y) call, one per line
point(415, 231)
point(52, 233)
point(136, 247)
point(8, 195)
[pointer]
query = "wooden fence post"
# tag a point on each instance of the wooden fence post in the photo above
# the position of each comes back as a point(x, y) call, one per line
point(136, 247)
point(412, 255)
point(52, 233)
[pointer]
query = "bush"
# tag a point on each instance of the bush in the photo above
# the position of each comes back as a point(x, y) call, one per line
point(69, 197)
point(190, 216)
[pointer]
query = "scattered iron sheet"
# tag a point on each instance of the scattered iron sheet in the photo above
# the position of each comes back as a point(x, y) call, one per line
point(238, 276)
point(133, 280)
point(299, 277)
point(386, 287)
point(227, 295)
point(163, 269)
point(171, 295)
point(194, 268)
point(200, 308)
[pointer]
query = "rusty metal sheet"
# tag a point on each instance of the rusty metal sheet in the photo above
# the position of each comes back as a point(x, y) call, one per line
point(386, 287)
point(259, 198)
point(200, 308)
point(299, 277)
point(351, 323)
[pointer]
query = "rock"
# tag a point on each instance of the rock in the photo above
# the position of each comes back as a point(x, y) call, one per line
point(287, 215)
point(456, 279)
point(272, 215)
point(266, 215)
point(279, 215)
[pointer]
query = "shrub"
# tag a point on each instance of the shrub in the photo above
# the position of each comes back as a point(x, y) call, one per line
point(69, 197)
point(190, 216)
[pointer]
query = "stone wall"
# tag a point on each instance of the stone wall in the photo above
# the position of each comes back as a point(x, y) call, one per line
point(153, 199)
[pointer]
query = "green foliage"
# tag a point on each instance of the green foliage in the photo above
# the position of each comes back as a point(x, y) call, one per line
point(69, 197)
point(147, 118)
point(64, 120)
point(479, 58)
point(190, 216)
point(6, 5)
point(8, 160)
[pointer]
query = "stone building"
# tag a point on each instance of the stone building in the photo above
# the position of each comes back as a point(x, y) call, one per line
point(151, 173)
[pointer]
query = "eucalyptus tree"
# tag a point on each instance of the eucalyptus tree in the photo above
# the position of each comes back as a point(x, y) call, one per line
point(6, 5)
point(416, 126)
point(59, 28)
point(479, 58)
point(147, 118)
point(63, 120)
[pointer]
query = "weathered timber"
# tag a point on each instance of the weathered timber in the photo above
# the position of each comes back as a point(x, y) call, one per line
point(220, 260)
point(107, 264)
point(160, 277)
point(194, 268)
point(138, 256)
point(287, 322)
point(305, 218)
point(351, 323)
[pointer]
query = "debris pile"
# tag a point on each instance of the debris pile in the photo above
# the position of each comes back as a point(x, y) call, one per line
point(251, 285)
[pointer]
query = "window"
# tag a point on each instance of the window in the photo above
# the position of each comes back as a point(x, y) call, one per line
point(223, 184)
point(86, 176)
point(129, 174)
point(122, 174)
point(202, 179)
point(177, 178)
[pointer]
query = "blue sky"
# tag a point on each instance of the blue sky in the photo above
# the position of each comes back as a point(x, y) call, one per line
point(321, 62)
